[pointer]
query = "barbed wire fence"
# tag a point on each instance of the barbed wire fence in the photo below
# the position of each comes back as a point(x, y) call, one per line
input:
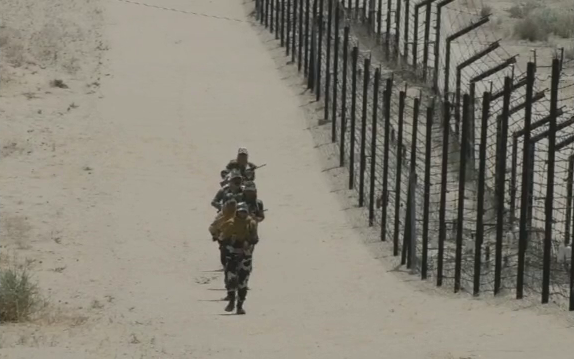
point(464, 161)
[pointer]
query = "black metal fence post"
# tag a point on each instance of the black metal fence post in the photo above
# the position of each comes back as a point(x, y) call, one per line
point(306, 32)
point(287, 23)
point(328, 63)
point(415, 126)
point(569, 183)
point(399, 169)
point(267, 5)
point(397, 30)
point(353, 119)
point(480, 197)
point(300, 39)
point(412, 171)
point(461, 190)
point(571, 304)
point(443, 190)
point(439, 7)
point(311, 78)
point(344, 97)
point(513, 174)
point(362, 158)
point(406, 30)
point(335, 74)
point(449, 41)
point(428, 13)
point(282, 10)
point(272, 15)
point(502, 135)
point(385, 192)
point(320, 25)
point(373, 164)
point(405, 250)
point(426, 210)
point(525, 190)
point(277, 19)
point(550, 185)
point(379, 20)
point(388, 33)
point(416, 35)
point(294, 24)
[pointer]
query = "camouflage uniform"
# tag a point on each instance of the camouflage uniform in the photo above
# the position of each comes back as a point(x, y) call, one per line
point(227, 213)
point(255, 205)
point(247, 170)
point(227, 192)
point(239, 235)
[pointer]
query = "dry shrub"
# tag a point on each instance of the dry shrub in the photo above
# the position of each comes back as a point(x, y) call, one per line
point(529, 29)
point(540, 23)
point(521, 11)
point(486, 10)
point(563, 25)
point(19, 296)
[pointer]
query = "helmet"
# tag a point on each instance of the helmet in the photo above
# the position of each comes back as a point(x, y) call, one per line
point(229, 202)
point(250, 186)
point(235, 174)
point(242, 207)
point(242, 151)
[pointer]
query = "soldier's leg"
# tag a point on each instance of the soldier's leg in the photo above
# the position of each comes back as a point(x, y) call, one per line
point(222, 254)
point(231, 279)
point(243, 280)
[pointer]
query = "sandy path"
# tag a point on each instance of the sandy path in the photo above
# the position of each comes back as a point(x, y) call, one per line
point(185, 92)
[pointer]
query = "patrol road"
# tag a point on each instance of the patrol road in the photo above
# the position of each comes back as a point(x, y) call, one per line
point(185, 92)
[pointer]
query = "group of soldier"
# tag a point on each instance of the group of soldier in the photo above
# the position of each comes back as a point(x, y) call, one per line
point(235, 226)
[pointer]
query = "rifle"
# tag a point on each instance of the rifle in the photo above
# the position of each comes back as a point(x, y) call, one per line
point(226, 180)
point(252, 170)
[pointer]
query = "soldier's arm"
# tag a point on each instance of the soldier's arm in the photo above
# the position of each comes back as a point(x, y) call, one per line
point(260, 214)
point(253, 234)
point(250, 171)
point(218, 199)
point(231, 165)
point(226, 229)
point(214, 228)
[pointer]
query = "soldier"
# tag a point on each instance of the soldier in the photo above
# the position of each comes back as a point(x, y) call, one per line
point(241, 163)
point(227, 212)
point(255, 205)
point(256, 208)
point(239, 234)
point(231, 190)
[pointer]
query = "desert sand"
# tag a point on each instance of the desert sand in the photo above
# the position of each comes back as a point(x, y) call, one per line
point(108, 199)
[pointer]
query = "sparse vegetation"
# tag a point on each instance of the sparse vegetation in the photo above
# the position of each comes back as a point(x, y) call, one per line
point(539, 23)
point(485, 11)
point(58, 83)
point(521, 11)
point(19, 297)
point(528, 29)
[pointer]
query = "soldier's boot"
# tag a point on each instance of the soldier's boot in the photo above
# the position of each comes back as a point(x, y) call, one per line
point(231, 305)
point(240, 310)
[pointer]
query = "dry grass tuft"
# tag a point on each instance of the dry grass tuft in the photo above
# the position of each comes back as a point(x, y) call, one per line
point(58, 83)
point(19, 296)
point(521, 11)
point(540, 23)
point(485, 10)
